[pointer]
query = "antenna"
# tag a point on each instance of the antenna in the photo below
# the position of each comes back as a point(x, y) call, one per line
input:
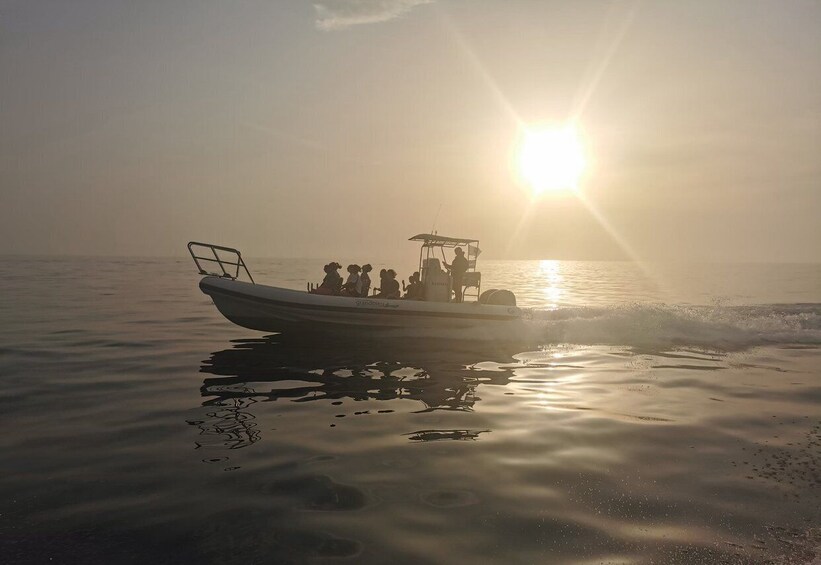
point(435, 219)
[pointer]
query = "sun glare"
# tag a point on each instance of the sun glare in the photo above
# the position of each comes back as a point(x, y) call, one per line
point(551, 160)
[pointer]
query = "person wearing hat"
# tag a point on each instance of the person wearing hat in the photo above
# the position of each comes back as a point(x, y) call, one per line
point(332, 283)
point(457, 272)
point(353, 286)
point(365, 279)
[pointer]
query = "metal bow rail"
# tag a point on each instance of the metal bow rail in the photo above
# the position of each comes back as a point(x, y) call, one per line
point(235, 261)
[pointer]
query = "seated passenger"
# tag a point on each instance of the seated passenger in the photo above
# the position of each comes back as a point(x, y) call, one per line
point(390, 286)
point(332, 283)
point(383, 279)
point(415, 288)
point(365, 279)
point(353, 286)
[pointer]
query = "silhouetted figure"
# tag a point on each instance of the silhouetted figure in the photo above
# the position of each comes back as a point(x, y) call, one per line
point(457, 272)
point(353, 286)
point(332, 283)
point(365, 279)
point(390, 286)
point(393, 285)
point(383, 279)
point(415, 288)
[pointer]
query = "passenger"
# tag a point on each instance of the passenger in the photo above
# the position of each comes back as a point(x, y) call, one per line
point(383, 280)
point(390, 286)
point(353, 286)
point(365, 279)
point(336, 278)
point(411, 288)
point(457, 272)
point(414, 291)
point(332, 283)
point(391, 289)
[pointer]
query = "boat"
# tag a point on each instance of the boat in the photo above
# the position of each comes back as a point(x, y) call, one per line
point(274, 309)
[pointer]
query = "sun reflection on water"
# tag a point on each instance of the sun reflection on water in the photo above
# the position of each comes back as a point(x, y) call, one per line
point(550, 272)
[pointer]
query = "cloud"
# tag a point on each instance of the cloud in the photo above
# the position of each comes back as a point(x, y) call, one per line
point(340, 14)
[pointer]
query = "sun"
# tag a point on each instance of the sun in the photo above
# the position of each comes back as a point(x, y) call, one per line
point(551, 159)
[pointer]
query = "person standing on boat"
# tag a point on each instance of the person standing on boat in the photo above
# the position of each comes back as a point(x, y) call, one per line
point(365, 279)
point(457, 273)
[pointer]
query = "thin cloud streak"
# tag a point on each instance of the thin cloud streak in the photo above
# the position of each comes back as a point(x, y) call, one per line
point(342, 14)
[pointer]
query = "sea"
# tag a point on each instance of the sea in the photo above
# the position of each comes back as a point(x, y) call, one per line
point(652, 413)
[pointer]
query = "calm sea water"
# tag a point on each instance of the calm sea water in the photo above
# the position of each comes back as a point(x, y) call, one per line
point(656, 414)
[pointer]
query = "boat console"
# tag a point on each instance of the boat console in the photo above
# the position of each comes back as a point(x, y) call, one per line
point(435, 280)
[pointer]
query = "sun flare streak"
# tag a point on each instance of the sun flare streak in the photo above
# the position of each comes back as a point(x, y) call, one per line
point(482, 71)
point(622, 243)
point(608, 45)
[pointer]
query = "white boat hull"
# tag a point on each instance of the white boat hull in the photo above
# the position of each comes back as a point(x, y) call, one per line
point(272, 309)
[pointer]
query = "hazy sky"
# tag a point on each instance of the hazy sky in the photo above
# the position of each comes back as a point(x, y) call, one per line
point(339, 128)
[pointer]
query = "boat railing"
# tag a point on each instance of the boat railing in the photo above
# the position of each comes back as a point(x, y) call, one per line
point(472, 279)
point(209, 253)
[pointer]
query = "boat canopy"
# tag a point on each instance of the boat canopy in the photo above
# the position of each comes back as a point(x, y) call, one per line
point(433, 240)
point(437, 283)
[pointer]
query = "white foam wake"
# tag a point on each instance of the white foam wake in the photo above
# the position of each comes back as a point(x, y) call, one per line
point(642, 325)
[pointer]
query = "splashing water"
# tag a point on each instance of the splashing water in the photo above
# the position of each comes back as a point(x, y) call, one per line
point(659, 326)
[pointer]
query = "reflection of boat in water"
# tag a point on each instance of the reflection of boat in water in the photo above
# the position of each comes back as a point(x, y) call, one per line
point(439, 379)
point(296, 370)
point(273, 309)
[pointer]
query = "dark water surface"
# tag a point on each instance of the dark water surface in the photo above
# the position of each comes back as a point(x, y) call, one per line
point(664, 417)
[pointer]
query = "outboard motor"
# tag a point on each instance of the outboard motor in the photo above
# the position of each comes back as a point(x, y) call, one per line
point(498, 297)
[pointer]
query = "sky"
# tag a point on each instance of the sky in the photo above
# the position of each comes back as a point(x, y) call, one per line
point(337, 128)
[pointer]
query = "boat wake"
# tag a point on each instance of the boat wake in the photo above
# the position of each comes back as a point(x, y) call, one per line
point(661, 326)
point(653, 327)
